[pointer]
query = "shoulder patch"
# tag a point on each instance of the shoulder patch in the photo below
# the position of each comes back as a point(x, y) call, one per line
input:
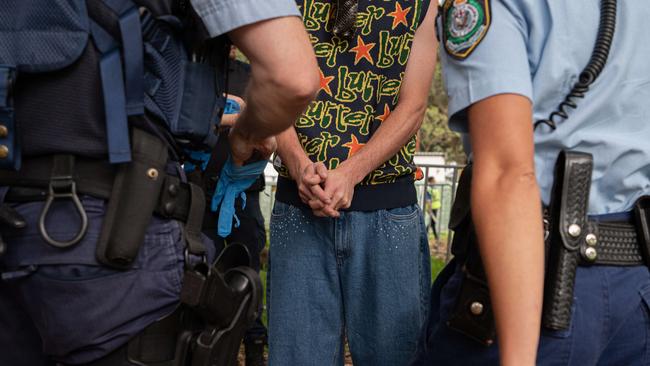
point(464, 25)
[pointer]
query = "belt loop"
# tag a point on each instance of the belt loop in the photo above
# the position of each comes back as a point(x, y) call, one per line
point(195, 221)
point(642, 221)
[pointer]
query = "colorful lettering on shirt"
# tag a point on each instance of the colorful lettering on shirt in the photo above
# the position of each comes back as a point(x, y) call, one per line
point(360, 80)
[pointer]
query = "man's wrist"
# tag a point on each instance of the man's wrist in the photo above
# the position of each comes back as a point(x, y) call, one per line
point(351, 170)
point(298, 165)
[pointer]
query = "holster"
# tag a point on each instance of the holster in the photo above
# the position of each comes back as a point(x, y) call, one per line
point(219, 303)
point(567, 226)
point(472, 313)
point(228, 298)
point(134, 197)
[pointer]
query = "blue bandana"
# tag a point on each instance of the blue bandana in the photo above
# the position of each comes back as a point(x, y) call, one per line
point(232, 183)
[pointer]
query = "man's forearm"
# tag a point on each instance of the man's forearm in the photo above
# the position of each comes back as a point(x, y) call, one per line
point(405, 120)
point(291, 152)
point(387, 141)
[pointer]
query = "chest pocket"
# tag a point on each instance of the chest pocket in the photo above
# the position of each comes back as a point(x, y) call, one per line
point(35, 36)
point(42, 35)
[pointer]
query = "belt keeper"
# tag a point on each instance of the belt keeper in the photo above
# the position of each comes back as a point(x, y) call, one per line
point(642, 218)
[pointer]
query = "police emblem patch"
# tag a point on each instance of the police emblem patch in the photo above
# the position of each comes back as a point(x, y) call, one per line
point(465, 23)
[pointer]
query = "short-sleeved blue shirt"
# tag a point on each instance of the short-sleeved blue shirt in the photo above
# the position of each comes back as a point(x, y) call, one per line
point(222, 16)
point(537, 48)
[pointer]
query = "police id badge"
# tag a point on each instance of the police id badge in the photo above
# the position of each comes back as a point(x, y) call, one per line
point(464, 25)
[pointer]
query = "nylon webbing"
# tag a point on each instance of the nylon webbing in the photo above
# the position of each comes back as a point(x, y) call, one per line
point(117, 126)
point(122, 84)
point(195, 221)
point(131, 31)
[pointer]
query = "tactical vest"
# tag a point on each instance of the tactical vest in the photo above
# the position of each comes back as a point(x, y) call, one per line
point(74, 74)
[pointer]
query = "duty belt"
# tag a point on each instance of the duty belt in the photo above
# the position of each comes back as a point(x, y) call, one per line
point(612, 244)
point(572, 239)
point(135, 191)
point(93, 178)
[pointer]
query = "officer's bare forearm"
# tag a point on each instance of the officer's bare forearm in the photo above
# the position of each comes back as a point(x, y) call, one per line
point(291, 152)
point(505, 222)
point(506, 210)
point(407, 117)
point(284, 77)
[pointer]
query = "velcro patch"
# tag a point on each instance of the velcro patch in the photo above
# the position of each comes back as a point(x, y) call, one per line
point(464, 25)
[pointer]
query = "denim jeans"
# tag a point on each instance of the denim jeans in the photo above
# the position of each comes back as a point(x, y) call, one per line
point(365, 275)
point(610, 324)
point(62, 305)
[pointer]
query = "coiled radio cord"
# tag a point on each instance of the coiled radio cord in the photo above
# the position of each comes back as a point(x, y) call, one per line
point(596, 65)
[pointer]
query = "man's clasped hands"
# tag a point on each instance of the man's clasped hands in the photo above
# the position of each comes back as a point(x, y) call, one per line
point(325, 191)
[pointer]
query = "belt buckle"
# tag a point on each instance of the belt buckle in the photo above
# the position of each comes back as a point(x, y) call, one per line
point(642, 224)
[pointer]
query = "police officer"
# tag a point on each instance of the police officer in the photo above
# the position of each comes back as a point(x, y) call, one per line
point(538, 84)
point(70, 74)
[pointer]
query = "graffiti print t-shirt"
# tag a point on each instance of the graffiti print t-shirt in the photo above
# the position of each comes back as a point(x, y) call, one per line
point(360, 79)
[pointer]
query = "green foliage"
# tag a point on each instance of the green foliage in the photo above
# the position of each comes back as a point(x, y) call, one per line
point(435, 135)
point(437, 265)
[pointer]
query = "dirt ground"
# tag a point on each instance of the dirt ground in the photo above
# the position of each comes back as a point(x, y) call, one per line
point(348, 358)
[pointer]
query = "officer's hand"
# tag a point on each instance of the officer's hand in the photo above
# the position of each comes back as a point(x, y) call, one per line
point(244, 149)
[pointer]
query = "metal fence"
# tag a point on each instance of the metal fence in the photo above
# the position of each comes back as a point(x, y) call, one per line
point(446, 180)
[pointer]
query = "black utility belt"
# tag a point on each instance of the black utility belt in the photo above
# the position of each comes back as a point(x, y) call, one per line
point(135, 191)
point(95, 179)
point(613, 244)
point(572, 239)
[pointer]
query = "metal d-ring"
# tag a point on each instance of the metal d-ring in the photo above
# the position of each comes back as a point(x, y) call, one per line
point(72, 195)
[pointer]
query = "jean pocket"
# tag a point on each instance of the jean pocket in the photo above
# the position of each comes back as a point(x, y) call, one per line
point(403, 214)
point(280, 209)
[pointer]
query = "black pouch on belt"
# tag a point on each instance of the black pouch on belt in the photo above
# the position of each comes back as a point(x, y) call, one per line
point(133, 199)
point(567, 229)
point(472, 314)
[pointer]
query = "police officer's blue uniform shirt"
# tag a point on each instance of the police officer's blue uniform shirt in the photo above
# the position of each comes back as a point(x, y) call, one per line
point(222, 16)
point(535, 49)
